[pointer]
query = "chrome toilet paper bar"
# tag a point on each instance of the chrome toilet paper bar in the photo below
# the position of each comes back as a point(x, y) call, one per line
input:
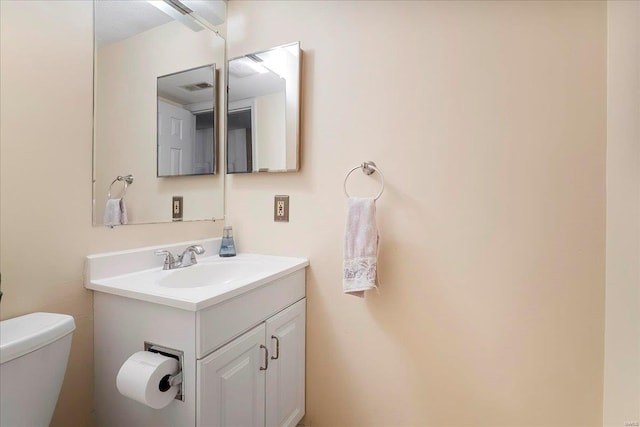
point(169, 380)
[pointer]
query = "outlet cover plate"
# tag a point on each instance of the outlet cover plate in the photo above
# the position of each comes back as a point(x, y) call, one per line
point(177, 207)
point(281, 209)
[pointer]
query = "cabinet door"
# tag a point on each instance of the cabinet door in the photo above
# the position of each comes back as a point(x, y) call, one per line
point(285, 376)
point(231, 384)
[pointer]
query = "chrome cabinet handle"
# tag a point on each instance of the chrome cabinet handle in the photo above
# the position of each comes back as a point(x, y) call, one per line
point(266, 358)
point(273, 337)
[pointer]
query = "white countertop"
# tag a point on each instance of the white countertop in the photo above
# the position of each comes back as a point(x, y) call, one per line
point(143, 284)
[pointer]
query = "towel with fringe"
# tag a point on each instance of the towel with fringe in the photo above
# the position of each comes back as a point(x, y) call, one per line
point(360, 247)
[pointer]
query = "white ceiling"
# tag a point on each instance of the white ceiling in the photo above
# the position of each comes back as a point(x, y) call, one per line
point(120, 19)
point(117, 20)
point(171, 87)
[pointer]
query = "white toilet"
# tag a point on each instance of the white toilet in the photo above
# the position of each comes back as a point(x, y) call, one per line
point(34, 350)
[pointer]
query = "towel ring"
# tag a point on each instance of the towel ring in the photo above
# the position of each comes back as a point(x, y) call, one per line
point(127, 179)
point(367, 168)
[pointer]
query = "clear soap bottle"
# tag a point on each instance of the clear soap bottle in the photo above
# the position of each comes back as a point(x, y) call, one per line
point(227, 247)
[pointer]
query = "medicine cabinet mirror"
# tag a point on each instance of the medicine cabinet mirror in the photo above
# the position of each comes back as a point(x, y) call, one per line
point(157, 72)
point(263, 118)
point(186, 122)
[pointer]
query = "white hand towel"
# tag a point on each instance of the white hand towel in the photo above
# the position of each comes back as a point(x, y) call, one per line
point(115, 212)
point(123, 212)
point(360, 247)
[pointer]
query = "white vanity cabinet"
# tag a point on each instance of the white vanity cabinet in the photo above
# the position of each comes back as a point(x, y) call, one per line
point(241, 337)
point(258, 378)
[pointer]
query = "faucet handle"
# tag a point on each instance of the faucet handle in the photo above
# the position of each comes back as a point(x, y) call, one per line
point(192, 251)
point(169, 260)
point(197, 249)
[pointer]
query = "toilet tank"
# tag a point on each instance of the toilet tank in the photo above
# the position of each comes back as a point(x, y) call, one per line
point(34, 350)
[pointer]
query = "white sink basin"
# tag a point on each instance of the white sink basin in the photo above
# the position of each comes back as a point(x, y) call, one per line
point(213, 273)
point(137, 274)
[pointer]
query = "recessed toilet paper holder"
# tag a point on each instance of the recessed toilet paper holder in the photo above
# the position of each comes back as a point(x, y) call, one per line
point(169, 380)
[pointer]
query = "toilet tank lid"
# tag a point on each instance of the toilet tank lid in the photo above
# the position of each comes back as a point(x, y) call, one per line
point(24, 334)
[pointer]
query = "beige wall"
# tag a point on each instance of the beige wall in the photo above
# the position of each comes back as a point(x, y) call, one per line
point(45, 155)
point(488, 120)
point(622, 337)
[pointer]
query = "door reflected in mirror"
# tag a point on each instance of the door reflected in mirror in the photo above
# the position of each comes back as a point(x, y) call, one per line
point(186, 122)
point(263, 114)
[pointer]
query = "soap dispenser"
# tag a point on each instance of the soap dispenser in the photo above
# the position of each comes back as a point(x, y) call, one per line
point(227, 247)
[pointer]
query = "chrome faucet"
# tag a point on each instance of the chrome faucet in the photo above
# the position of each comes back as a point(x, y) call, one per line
point(192, 250)
point(171, 263)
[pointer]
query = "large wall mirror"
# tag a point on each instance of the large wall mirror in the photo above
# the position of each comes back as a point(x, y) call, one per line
point(263, 118)
point(157, 70)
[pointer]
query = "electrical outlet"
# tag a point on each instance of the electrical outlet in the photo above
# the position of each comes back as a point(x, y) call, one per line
point(176, 208)
point(281, 209)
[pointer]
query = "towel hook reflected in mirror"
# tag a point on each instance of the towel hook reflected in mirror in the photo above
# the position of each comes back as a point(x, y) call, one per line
point(126, 179)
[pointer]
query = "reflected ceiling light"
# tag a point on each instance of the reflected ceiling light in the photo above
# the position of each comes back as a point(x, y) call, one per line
point(179, 6)
point(245, 67)
point(195, 14)
point(209, 12)
point(177, 14)
point(274, 60)
point(256, 65)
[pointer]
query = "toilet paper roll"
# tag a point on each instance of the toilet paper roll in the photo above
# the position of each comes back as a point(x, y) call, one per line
point(141, 378)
